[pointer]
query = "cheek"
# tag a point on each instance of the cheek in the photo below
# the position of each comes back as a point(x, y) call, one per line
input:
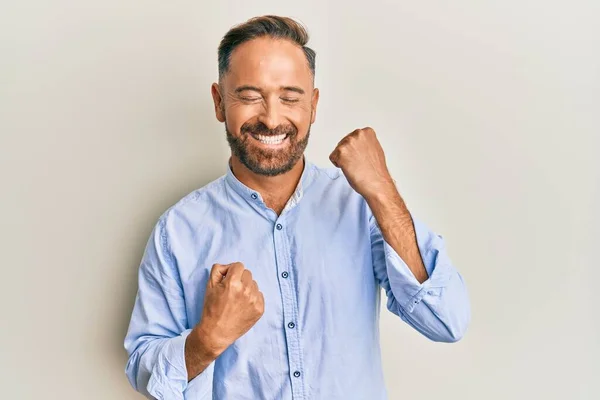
point(237, 116)
point(301, 119)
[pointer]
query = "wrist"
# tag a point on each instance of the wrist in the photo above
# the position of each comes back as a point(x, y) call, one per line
point(388, 206)
point(381, 191)
point(205, 341)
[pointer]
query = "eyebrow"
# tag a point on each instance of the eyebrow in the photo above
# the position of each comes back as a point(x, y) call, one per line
point(292, 89)
point(247, 87)
point(243, 88)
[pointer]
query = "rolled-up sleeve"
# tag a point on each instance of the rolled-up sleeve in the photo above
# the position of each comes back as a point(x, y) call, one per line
point(439, 307)
point(158, 329)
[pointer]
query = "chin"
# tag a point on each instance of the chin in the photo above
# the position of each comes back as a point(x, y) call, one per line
point(268, 169)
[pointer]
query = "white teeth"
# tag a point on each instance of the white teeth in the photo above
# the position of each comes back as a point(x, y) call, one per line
point(271, 139)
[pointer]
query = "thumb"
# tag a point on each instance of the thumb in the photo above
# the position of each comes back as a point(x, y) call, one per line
point(218, 272)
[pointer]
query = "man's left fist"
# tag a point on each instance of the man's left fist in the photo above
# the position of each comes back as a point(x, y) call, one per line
point(361, 158)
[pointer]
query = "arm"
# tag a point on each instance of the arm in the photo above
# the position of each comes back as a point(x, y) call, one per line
point(198, 354)
point(164, 354)
point(409, 261)
point(437, 306)
point(396, 225)
point(232, 305)
point(158, 333)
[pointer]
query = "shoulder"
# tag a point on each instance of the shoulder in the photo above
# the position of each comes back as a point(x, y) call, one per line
point(194, 206)
point(331, 173)
point(333, 180)
point(331, 187)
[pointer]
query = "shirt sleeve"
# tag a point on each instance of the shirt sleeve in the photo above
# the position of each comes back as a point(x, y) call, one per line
point(439, 307)
point(155, 340)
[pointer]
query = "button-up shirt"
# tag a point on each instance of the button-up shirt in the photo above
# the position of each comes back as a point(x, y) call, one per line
point(320, 264)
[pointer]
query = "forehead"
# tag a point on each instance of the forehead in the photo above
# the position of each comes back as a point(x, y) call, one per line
point(269, 62)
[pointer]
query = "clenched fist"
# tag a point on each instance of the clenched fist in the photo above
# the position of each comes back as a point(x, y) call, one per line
point(232, 305)
point(361, 158)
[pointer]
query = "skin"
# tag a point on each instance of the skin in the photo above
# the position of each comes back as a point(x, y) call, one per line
point(278, 70)
point(269, 90)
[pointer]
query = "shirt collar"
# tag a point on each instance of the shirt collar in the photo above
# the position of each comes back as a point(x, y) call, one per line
point(253, 195)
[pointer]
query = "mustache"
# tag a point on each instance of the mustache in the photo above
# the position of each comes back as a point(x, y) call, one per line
point(261, 129)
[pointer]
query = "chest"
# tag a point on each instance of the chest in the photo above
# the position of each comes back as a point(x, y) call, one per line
point(311, 264)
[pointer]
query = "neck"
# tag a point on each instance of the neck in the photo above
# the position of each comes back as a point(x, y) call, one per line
point(275, 190)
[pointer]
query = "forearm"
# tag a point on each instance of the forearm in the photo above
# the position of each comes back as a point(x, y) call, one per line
point(437, 307)
point(397, 228)
point(199, 352)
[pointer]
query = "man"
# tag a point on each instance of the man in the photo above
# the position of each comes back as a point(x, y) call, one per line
point(264, 284)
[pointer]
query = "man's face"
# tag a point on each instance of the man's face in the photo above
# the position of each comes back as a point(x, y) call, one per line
point(267, 102)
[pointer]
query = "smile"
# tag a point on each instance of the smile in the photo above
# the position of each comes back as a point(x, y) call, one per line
point(270, 140)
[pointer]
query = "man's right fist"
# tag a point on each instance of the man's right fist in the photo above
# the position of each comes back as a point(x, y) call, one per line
point(232, 305)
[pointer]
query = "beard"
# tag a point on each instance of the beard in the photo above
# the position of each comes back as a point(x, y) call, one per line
point(267, 162)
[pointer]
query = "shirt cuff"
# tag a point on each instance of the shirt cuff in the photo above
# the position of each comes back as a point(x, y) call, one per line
point(406, 288)
point(201, 387)
point(169, 379)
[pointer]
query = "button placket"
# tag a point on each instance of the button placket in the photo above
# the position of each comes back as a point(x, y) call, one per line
point(289, 297)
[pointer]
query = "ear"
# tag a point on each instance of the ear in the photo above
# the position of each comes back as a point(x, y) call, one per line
point(314, 102)
point(218, 100)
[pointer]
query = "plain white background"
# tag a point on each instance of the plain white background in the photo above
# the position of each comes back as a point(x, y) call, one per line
point(489, 113)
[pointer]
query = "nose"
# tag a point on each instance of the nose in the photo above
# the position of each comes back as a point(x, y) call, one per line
point(270, 115)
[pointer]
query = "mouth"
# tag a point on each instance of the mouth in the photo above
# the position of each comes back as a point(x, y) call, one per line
point(270, 140)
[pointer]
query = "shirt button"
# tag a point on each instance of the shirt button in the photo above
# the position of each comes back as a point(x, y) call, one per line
point(279, 227)
point(284, 274)
point(254, 196)
point(297, 374)
point(291, 325)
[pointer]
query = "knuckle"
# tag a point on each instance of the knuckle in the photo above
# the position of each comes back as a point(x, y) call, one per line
point(260, 305)
point(254, 302)
point(236, 285)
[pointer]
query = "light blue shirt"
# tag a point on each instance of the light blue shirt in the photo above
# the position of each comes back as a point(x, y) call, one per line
point(320, 265)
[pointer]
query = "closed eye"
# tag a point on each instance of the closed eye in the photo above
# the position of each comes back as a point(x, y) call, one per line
point(289, 100)
point(249, 99)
